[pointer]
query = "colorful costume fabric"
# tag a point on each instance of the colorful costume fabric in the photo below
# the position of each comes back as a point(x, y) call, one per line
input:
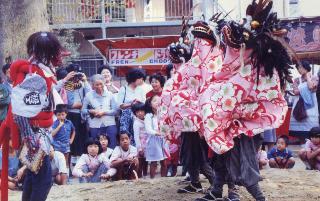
point(179, 109)
point(234, 103)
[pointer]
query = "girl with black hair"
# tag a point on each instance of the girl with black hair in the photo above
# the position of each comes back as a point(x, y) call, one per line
point(156, 148)
point(140, 137)
point(92, 165)
point(157, 82)
point(104, 140)
point(305, 88)
point(29, 117)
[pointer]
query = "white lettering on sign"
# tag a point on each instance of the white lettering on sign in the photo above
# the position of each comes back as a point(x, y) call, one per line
point(137, 57)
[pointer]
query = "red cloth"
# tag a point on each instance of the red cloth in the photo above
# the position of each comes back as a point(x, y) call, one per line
point(9, 130)
point(152, 93)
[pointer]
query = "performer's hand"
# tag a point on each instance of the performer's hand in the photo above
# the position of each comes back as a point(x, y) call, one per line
point(20, 173)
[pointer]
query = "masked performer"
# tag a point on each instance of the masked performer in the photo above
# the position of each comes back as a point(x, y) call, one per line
point(30, 114)
point(179, 111)
point(245, 97)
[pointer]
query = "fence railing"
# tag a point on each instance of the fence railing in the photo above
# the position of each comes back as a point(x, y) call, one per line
point(97, 11)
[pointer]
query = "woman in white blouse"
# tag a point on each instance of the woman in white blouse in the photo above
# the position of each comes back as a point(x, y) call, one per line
point(101, 106)
point(129, 95)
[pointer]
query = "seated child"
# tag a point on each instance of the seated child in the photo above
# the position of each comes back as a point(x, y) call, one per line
point(124, 158)
point(104, 141)
point(280, 156)
point(140, 137)
point(15, 174)
point(58, 167)
point(310, 155)
point(262, 158)
point(63, 132)
point(91, 166)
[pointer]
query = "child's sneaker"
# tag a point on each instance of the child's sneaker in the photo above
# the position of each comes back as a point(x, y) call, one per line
point(191, 188)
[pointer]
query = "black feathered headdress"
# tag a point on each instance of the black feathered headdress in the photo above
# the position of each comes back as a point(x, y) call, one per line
point(261, 31)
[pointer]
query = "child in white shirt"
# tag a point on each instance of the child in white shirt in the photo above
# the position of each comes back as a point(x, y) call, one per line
point(124, 159)
point(91, 166)
point(140, 137)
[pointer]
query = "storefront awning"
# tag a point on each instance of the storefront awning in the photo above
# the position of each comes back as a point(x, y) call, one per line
point(148, 52)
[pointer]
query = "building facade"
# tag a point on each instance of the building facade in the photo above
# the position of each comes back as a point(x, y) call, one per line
point(98, 19)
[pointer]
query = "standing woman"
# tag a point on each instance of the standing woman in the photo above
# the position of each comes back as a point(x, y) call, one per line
point(101, 106)
point(129, 95)
point(106, 72)
point(32, 115)
point(305, 88)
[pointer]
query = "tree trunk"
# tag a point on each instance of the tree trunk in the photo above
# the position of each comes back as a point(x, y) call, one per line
point(18, 20)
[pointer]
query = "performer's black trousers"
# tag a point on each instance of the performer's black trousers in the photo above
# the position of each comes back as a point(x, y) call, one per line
point(194, 156)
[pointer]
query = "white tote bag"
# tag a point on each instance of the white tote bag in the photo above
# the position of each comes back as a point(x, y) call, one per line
point(29, 97)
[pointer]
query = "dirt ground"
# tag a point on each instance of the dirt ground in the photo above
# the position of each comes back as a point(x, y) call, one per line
point(279, 185)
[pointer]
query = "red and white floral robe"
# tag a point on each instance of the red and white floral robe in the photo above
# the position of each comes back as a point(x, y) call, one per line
point(234, 104)
point(179, 110)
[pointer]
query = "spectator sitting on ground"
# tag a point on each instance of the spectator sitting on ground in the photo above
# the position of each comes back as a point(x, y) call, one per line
point(15, 175)
point(91, 166)
point(310, 155)
point(104, 141)
point(280, 156)
point(59, 167)
point(262, 158)
point(124, 158)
